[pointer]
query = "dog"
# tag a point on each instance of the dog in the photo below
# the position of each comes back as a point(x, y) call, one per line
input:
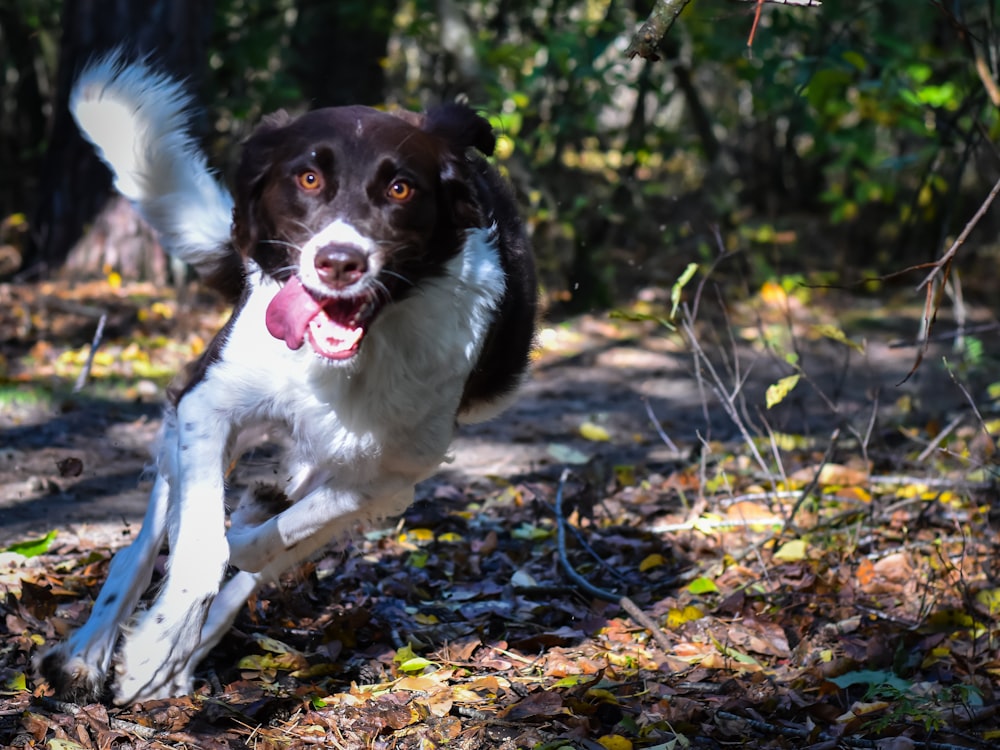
point(384, 291)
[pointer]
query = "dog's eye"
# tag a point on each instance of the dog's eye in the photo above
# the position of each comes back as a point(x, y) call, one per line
point(400, 190)
point(310, 180)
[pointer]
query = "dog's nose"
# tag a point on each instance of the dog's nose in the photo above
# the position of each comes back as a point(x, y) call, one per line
point(340, 266)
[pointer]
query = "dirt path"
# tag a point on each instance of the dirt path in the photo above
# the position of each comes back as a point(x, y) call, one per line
point(76, 465)
point(755, 618)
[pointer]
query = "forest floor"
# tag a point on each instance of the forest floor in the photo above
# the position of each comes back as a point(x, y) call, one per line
point(823, 572)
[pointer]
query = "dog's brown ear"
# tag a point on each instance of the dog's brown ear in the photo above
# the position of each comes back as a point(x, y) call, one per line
point(255, 161)
point(460, 127)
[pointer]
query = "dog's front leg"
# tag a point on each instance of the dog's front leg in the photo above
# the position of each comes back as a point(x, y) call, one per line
point(156, 657)
point(77, 668)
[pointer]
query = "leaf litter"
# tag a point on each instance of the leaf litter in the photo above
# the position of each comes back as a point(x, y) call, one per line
point(845, 597)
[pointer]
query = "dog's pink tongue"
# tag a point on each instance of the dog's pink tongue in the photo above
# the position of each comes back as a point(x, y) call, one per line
point(289, 313)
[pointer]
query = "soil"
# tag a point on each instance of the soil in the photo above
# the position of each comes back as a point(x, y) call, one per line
point(862, 604)
point(79, 463)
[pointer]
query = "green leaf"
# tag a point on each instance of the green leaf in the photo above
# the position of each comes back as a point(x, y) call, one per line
point(416, 664)
point(703, 585)
point(566, 454)
point(855, 59)
point(33, 547)
point(675, 290)
point(527, 532)
point(732, 653)
point(870, 677)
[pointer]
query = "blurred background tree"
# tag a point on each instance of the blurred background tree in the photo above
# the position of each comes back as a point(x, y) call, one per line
point(851, 136)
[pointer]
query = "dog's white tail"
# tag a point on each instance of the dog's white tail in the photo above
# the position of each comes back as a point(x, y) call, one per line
point(138, 120)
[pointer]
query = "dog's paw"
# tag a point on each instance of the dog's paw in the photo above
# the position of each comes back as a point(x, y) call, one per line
point(73, 677)
point(156, 660)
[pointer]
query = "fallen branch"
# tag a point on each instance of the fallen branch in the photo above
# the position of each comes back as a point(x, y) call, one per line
point(81, 379)
point(633, 610)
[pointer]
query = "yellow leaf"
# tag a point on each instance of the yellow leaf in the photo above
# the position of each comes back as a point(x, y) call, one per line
point(706, 524)
point(594, 432)
point(162, 309)
point(115, 280)
point(57, 744)
point(772, 294)
point(16, 683)
point(990, 598)
point(792, 551)
point(835, 334)
point(504, 147)
point(614, 742)
point(652, 561)
point(862, 709)
point(416, 536)
point(776, 392)
point(603, 695)
point(677, 617)
point(625, 475)
point(264, 662)
point(273, 645)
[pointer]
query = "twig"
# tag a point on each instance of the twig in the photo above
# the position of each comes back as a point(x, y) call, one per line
point(930, 482)
point(808, 489)
point(659, 427)
point(73, 709)
point(624, 602)
point(716, 523)
point(946, 336)
point(939, 438)
point(81, 379)
point(941, 266)
point(717, 385)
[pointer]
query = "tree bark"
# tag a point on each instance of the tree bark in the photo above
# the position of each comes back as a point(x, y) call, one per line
point(338, 48)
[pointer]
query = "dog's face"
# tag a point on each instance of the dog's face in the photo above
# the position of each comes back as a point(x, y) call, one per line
point(351, 208)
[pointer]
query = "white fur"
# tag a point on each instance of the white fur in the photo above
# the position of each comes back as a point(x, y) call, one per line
point(137, 118)
point(361, 434)
point(338, 232)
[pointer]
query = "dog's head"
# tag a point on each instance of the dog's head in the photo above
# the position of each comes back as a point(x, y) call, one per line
point(350, 208)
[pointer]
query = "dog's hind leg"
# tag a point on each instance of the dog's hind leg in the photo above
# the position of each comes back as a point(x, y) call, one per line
point(78, 667)
point(313, 521)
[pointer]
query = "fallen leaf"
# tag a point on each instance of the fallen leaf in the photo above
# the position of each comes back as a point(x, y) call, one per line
point(594, 432)
point(792, 551)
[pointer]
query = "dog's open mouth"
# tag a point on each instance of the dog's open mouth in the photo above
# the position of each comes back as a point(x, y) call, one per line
point(334, 326)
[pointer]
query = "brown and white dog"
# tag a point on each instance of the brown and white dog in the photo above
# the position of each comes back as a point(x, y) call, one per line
point(383, 291)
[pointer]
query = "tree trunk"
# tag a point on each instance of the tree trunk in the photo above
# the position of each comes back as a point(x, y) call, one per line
point(75, 185)
point(338, 48)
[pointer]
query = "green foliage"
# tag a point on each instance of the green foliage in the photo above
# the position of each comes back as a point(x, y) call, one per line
point(868, 117)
